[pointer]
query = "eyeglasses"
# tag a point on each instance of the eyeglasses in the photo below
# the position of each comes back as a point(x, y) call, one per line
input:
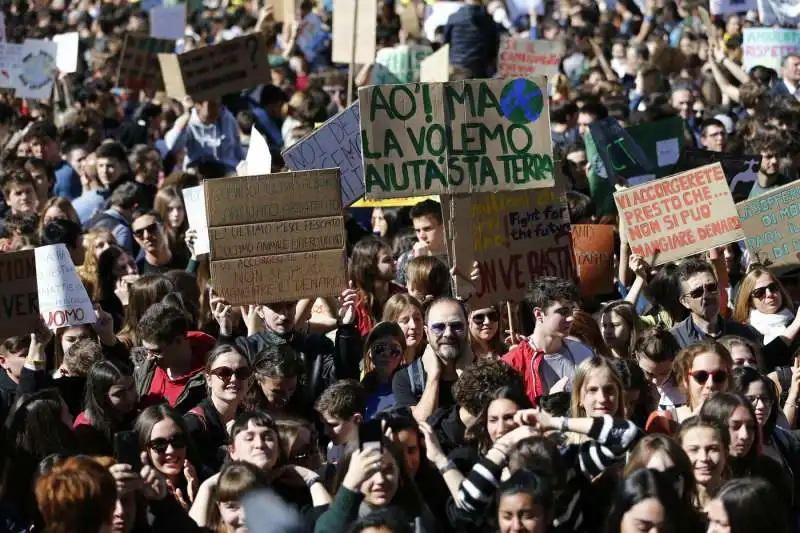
point(755, 399)
point(160, 445)
point(438, 328)
point(151, 229)
point(386, 351)
point(710, 288)
point(480, 318)
point(717, 376)
point(761, 292)
point(226, 373)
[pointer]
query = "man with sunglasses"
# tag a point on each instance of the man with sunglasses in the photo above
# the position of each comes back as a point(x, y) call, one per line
point(426, 384)
point(699, 294)
point(158, 257)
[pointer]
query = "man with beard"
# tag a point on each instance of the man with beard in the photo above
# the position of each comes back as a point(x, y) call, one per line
point(426, 384)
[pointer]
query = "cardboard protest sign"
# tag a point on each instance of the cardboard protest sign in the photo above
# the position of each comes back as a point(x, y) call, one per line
point(409, 21)
point(63, 300)
point(740, 170)
point(337, 143)
point(354, 20)
point(436, 67)
point(212, 71)
point(37, 70)
point(593, 246)
point(278, 237)
point(679, 216)
point(399, 64)
point(20, 301)
point(729, 7)
point(524, 57)
point(168, 22)
point(194, 201)
point(138, 62)
point(514, 236)
point(457, 137)
point(771, 224)
point(768, 46)
point(783, 12)
point(67, 55)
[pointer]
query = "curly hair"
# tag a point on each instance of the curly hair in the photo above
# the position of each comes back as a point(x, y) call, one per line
point(474, 389)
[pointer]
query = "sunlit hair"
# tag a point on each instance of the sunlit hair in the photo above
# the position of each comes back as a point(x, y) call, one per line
point(363, 269)
point(685, 360)
point(89, 268)
point(64, 204)
point(744, 301)
point(627, 312)
point(236, 479)
point(165, 196)
point(732, 341)
point(144, 292)
point(582, 374)
point(396, 306)
point(652, 445)
point(584, 328)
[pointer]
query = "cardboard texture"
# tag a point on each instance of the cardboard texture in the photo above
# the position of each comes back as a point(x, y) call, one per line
point(593, 246)
point(771, 224)
point(347, 26)
point(63, 300)
point(740, 170)
point(337, 143)
point(409, 21)
point(436, 67)
point(679, 216)
point(138, 63)
point(276, 237)
point(514, 236)
point(525, 57)
point(768, 46)
point(456, 138)
point(283, 10)
point(212, 71)
point(20, 299)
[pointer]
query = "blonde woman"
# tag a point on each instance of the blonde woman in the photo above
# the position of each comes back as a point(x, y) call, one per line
point(406, 312)
point(764, 303)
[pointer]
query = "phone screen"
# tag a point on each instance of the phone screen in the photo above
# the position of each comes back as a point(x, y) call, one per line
point(370, 434)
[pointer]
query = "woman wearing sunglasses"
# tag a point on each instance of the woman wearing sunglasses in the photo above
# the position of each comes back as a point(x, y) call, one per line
point(164, 437)
point(766, 305)
point(228, 378)
point(383, 355)
point(701, 370)
point(484, 334)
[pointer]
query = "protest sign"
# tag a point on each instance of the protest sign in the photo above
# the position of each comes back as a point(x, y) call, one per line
point(783, 12)
point(337, 143)
point(399, 64)
point(740, 170)
point(436, 67)
point(63, 300)
point(168, 22)
point(729, 7)
point(354, 20)
point(195, 203)
point(37, 70)
point(514, 236)
point(768, 46)
point(212, 71)
point(662, 142)
point(259, 158)
point(395, 202)
point(20, 301)
point(138, 62)
point(771, 224)
point(524, 57)
point(457, 137)
point(409, 21)
point(10, 58)
point(593, 246)
point(147, 5)
point(681, 215)
point(67, 55)
point(619, 155)
point(278, 237)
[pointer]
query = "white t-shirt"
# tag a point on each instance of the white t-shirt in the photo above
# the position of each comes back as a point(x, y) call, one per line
point(564, 363)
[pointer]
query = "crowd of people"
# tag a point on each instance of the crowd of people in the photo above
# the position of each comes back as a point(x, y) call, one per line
point(668, 405)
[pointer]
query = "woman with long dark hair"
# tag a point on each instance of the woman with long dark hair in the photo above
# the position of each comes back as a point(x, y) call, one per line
point(646, 496)
point(372, 270)
point(747, 505)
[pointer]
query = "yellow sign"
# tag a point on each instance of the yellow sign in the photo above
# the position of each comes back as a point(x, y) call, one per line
point(393, 202)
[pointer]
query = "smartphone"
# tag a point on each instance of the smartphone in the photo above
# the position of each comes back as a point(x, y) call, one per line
point(126, 449)
point(370, 434)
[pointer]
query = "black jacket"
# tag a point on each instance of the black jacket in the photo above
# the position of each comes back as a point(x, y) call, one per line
point(208, 434)
point(8, 393)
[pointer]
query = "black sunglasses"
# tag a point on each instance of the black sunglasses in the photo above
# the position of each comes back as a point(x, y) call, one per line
point(480, 318)
point(386, 351)
point(225, 373)
point(760, 292)
point(711, 288)
point(178, 442)
point(151, 229)
point(701, 376)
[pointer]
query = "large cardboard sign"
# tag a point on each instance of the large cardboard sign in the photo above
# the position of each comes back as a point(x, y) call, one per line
point(514, 236)
point(456, 138)
point(525, 57)
point(771, 224)
point(212, 71)
point(138, 63)
point(19, 313)
point(399, 64)
point(354, 19)
point(337, 143)
point(679, 216)
point(436, 67)
point(63, 300)
point(278, 237)
point(593, 245)
point(741, 170)
point(768, 46)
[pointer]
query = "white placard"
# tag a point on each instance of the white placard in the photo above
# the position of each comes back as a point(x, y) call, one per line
point(63, 300)
point(37, 70)
point(259, 158)
point(67, 56)
point(729, 7)
point(10, 57)
point(168, 22)
point(194, 200)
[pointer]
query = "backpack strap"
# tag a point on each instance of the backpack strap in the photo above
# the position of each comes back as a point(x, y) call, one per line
point(416, 374)
point(199, 413)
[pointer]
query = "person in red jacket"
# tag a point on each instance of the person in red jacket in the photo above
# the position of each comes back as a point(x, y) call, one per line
point(549, 357)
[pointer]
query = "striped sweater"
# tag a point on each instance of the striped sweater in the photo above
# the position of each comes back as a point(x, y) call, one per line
point(611, 438)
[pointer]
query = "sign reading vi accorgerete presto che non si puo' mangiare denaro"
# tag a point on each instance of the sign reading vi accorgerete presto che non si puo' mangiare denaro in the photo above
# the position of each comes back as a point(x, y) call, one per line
point(458, 137)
